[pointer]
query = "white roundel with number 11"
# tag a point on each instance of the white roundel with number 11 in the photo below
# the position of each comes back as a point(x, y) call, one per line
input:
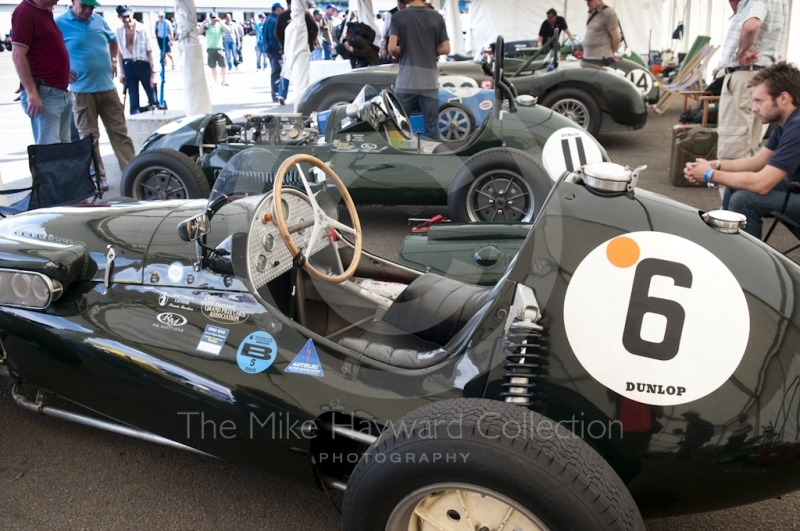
point(656, 318)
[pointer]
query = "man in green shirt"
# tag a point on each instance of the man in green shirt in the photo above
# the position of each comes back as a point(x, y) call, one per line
point(213, 30)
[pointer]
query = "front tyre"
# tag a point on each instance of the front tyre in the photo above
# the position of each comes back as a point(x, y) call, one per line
point(480, 464)
point(577, 105)
point(160, 174)
point(499, 184)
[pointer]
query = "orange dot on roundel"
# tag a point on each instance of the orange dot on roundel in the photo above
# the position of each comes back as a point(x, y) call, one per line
point(622, 252)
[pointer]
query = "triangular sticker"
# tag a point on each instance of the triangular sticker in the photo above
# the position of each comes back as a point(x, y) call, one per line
point(306, 362)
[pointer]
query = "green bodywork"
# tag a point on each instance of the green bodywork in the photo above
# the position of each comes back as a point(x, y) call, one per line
point(374, 161)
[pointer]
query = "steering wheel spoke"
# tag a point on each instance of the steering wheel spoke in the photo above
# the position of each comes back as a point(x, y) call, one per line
point(322, 223)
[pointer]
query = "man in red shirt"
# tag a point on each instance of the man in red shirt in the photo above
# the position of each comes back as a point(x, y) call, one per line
point(42, 63)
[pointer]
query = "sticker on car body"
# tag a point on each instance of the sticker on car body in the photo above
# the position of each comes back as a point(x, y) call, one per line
point(222, 311)
point(641, 79)
point(256, 352)
point(175, 272)
point(212, 340)
point(306, 362)
point(568, 149)
point(656, 318)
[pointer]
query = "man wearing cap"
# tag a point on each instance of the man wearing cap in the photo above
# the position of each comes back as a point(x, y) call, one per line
point(42, 64)
point(274, 50)
point(328, 40)
point(261, 43)
point(164, 37)
point(136, 57)
point(214, 30)
point(92, 48)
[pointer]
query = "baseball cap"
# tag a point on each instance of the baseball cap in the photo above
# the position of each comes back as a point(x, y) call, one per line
point(276, 5)
point(262, 15)
point(123, 10)
point(331, 6)
point(93, 3)
point(212, 15)
point(317, 12)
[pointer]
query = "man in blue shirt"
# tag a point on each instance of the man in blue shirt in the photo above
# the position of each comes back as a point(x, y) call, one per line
point(261, 43)
point(759, 182)
point(274, 50)
point(92, 48)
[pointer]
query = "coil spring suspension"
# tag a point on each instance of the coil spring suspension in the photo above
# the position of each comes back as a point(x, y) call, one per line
point(527, 365)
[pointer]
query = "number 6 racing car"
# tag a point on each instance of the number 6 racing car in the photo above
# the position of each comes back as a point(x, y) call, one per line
point(605, 376)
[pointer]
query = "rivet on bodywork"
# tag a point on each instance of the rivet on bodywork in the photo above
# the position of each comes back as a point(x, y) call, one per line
point(154, 278)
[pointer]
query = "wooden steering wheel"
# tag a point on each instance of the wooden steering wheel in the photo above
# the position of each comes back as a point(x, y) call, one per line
point(323, 226)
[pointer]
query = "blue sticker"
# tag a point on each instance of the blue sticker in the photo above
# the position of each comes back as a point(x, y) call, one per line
point(306, 362)
point(212, 340)
point(257, 352)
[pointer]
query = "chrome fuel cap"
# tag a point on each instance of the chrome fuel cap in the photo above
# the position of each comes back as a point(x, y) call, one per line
point(725, 221)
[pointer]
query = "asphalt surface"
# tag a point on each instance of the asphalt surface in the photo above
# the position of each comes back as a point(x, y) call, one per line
point(56, 475)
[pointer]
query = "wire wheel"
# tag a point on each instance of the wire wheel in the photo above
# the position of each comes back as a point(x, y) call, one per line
point(455, 122)
point(573, 109)
point(500, 195)
point(456, 506)
point(158, 184)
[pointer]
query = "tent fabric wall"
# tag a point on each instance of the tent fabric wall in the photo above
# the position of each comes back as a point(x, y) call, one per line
point(521, 19)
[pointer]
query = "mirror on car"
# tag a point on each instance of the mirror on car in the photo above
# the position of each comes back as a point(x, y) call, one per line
point(191, 229)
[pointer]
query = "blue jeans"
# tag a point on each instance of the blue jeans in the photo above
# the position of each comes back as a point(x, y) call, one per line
point(425, 101)
point(54, 123)
point(261, 56)
point(275, 67)
point(283, 88)
point(326, 49)
point(136, 73)
point(316, 54)
point(755, 206)
point(231, 54)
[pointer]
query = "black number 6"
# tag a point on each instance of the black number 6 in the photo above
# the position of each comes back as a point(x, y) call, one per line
point(641, 303)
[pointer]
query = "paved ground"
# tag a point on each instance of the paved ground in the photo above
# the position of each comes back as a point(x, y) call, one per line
point(56, 475)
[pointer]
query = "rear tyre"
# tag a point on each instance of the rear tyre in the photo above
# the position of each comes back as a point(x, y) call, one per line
point(481, 464)
point(499, 184)
point(455, 121)
point(576, 105)
point(161, 174)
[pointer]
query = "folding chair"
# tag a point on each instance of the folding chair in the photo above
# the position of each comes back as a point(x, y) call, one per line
point(60, 176)
point(689, 83)
point(781, 217)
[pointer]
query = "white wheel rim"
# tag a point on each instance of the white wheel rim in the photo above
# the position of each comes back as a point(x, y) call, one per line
point(460, 507)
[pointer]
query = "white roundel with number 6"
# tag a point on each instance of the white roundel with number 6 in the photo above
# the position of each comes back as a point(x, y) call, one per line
point(656, 318)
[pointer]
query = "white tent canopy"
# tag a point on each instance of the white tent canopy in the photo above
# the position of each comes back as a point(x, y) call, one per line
point(647, 25)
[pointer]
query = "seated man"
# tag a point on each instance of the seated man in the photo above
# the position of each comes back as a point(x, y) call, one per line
point(759, 182)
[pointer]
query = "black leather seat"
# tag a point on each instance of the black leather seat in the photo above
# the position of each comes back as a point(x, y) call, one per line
point(422, 326)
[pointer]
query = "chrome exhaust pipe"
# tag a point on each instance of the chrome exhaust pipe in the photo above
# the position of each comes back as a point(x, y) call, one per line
point(113, 427)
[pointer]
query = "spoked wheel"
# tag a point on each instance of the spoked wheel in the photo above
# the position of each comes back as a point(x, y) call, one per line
point(500, 195)
point(161, 174)
point(576, 105)
point(498, 184)
point(453, 506)
point(455, 122)
point(573, 109)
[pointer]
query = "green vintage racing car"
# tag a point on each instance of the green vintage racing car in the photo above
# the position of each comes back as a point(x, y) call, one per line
point(496, 173)
point(602, 378)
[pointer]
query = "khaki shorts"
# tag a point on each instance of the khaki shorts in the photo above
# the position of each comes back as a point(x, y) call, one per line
point(215, 58)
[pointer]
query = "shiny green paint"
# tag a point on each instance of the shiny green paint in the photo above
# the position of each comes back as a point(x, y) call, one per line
point(104, 348)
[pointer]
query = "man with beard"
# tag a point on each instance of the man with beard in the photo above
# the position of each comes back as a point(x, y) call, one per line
point(759, 182)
